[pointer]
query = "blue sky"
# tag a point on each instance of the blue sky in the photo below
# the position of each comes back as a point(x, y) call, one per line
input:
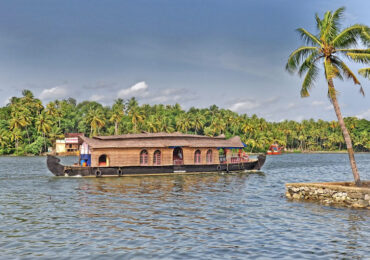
point(230, 53)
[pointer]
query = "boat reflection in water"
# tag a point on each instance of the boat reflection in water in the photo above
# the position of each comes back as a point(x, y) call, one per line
point(125, 197)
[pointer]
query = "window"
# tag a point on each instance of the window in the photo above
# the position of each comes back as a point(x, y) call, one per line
point(103, 160)
point(144, 157)
point(209, 156)
point(197, 156)
point(157, 158)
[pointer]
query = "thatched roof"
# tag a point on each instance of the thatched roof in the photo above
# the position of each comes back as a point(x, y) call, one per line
point(160, 140)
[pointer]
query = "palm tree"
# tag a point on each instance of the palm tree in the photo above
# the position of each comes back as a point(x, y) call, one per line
point(365, 72)
point(54, 134)
point(197, 121)
point(136, 116)
point(182, 122)
point(166, 124)
point(15, 136)
point(17, 121)
point(117, 114)
point(151, 124)
point(4, 138)
point(96, 119)
point(325, 47)
point(43, 124)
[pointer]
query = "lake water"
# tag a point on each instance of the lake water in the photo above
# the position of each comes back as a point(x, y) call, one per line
point(208, 216)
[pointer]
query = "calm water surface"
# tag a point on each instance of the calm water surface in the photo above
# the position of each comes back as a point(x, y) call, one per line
point(230, 216)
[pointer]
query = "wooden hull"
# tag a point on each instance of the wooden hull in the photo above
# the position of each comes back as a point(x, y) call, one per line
point(58, 169)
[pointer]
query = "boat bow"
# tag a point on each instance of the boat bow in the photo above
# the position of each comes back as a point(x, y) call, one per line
point(54, 165)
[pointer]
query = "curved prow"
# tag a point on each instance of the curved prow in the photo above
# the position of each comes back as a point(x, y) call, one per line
point(261, 160)
point(54, 166)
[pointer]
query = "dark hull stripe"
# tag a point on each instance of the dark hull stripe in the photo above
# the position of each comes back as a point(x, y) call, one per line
point(57, 169)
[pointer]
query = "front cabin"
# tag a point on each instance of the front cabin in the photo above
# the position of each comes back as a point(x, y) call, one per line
point(159, 149)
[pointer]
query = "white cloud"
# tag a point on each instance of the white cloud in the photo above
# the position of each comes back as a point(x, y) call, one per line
point(364, 115)
point(96, 97)
point(172, 95)
point(54, 93)
point(244, 105)
point(140, 89)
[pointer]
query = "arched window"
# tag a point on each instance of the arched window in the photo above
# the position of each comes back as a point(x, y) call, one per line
point(209, 156)
point(144, 157)
point(157, 158)
point(197, 156)
point(103, 160)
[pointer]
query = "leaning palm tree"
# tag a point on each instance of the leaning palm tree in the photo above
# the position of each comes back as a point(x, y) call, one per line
point(365, 72)
point(327, 47)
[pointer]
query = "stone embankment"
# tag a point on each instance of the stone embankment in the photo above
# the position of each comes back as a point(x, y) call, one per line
point(331, 193)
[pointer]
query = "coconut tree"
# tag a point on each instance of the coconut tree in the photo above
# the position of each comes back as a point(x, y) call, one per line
point(166, 125)
point(15, 136)
point(151, 124)
point(4, 138)
point(183, 122)
point(117, 114)
point(137, 116)
point(327, 48)
point(43, 124)
point(365, 72)
point(96, 119)
point(197, 121)
point(54, 134)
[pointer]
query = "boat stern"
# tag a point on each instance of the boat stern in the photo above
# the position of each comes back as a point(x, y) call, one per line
point(261, 161)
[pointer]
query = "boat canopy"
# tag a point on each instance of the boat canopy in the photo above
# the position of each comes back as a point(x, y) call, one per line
point(172, 140)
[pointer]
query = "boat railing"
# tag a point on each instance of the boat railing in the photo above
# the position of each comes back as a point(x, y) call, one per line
point(222, 159)
point(233, 158)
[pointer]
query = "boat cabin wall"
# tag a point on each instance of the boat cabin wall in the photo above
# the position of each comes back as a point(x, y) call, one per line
point(189, 154)
point(132, 156)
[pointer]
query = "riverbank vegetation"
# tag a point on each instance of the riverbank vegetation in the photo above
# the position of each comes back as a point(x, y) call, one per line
point(29, 127)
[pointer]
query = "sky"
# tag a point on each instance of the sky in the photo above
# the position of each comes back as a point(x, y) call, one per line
point(231, 53)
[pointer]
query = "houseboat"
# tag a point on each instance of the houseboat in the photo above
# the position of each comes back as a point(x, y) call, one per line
point(274, 149)
point(156, 153)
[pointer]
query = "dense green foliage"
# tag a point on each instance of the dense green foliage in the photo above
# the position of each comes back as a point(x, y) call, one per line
point(27, 127)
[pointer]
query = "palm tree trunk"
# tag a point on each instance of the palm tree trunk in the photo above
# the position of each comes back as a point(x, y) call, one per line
point(116, 127)
point(44, 142)
point(347, 137)
point(28, 136)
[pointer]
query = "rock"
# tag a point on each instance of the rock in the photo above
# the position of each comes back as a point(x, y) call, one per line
point(367, 197)
point(355, 195)
point(363, 203)
point(287, 194)
point(360, 204)
point(296, 196)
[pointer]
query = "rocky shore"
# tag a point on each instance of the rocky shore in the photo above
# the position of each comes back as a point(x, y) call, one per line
point(331, 193)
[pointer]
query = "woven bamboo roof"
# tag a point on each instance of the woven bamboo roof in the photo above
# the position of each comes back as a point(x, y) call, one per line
point(161, 140)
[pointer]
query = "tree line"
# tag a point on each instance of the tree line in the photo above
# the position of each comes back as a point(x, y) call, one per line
point(29, 127)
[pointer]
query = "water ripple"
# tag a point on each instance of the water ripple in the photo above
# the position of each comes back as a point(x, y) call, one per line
point(208, 216)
